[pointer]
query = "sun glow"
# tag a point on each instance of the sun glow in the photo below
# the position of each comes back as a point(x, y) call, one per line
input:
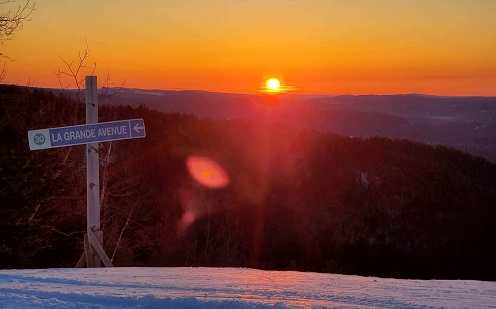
point(273, 85)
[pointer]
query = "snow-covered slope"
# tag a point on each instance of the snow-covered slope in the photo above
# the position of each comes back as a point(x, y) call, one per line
point(230, 288)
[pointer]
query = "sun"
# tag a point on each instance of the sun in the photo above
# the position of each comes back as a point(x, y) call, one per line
point(273, 85)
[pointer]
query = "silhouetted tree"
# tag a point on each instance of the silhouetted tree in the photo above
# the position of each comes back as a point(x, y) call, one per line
point(11, 21)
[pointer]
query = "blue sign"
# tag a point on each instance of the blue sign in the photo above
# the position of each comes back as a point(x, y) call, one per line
point(86, 134)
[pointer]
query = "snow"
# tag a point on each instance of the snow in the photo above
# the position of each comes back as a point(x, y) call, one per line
point(146, 92)
point(104, 288)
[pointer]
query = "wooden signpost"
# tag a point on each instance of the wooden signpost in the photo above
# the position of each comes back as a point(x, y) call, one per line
point(90, 134)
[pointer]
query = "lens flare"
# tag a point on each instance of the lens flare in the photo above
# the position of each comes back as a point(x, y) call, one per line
point(186, 221)
point(207, 172)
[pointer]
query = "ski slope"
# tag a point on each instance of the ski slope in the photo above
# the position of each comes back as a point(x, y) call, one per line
point(230, 288)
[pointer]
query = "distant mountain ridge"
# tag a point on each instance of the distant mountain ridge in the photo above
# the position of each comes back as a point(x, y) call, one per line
point(467, 123)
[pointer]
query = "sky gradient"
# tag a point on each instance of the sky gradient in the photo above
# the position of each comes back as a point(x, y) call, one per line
point(444, 47)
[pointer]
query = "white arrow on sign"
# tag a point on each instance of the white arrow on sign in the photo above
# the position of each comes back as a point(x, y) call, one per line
point(138, 128)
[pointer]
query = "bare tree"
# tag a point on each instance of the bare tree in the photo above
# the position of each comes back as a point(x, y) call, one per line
point(75, 71)
point(73, 74)
point(12, 21)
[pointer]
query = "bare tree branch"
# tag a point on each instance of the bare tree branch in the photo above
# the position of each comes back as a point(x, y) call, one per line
point(120, 235)
point(2, 73)
point(105, 90)
point(12, 21)
point(76, 72)
point(63, 233)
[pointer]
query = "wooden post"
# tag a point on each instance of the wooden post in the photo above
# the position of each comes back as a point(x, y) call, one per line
point(88, 252)
point(93, 238)
point(92, 167)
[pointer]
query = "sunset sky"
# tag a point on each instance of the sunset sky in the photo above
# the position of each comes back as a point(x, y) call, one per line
point(445, 47)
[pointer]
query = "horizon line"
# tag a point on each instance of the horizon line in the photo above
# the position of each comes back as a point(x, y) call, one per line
point(257, 92)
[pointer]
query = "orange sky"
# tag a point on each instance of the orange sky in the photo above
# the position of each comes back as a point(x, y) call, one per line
point(445, 47)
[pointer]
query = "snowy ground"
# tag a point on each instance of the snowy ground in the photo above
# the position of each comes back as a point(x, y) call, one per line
point(230, 288)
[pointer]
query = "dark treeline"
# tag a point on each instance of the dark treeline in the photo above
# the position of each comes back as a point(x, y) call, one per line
point(295, 200)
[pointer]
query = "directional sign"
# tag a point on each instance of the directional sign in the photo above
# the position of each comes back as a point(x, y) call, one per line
point(86, 133)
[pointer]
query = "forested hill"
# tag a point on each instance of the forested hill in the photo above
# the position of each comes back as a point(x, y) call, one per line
point(293, 198)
